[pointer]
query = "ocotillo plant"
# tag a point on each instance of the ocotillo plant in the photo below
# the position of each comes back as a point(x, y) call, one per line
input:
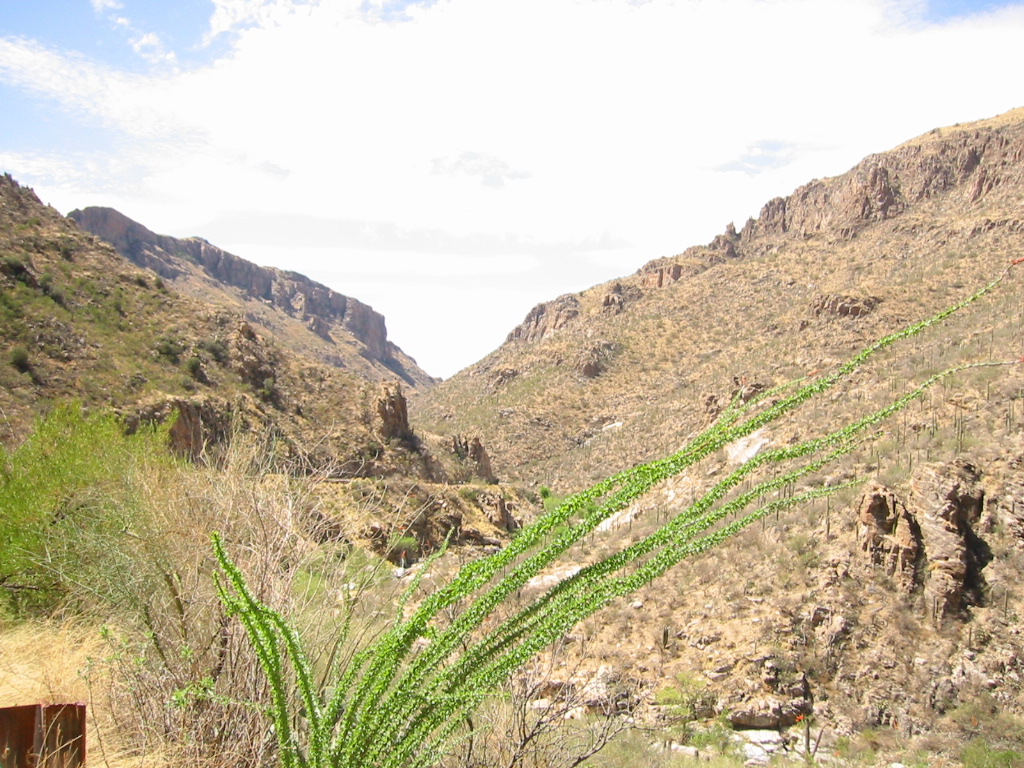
point(399, 703)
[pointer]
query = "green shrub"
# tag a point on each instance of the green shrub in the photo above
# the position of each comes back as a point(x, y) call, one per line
point(268, 391)
point(689, 699)
point(20, 359)
point(72, 466)
point(216, 349)
point(170, 348)
point(978, 753)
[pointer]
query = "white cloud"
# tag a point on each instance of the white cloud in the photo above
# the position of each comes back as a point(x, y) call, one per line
point(234, 15)
point(125, 102)
point(150, 47)
point(102, 6)
point(608, 131)
point(490, 170)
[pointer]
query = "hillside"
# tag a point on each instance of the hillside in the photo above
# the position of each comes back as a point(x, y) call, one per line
point(306, 317)
point(595, 381)
point(217, 347)
point(80, 321)
point(894, 606)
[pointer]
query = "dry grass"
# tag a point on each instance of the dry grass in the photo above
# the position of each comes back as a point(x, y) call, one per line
point(62, 662)
point(43, 662)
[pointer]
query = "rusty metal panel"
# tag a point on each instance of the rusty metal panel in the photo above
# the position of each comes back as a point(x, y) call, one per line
point(62, 736)
point(18, 746)
point(42, 736)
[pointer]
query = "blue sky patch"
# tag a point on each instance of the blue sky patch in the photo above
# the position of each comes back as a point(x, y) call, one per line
point(941, 10)
point(763, 156)
point(134, 37)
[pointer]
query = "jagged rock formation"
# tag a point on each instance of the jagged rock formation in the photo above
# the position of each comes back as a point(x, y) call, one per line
point(593, 361)
point(393, 412)
point(321, 310)
point(932, 545)
point(546, 318)
point(845, 306)
point(619, 296)
point(953, 500)
point(891, 537)
point(473, 450)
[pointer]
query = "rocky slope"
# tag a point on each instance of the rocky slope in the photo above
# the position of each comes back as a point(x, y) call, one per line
point(891, 610)
point(836, 264)
point(229, 352)
point(302, 314)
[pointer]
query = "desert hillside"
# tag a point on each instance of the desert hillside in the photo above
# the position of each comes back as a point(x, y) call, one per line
point(867, 612)
point(595, 381)
point(878, 599)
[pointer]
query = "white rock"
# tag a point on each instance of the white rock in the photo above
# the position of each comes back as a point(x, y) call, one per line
point(766, 739)
point(686, 750)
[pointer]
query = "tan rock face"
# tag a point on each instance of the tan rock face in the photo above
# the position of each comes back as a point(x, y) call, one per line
point(891, 536)
point(546, 318)
point(952, 499)
point(930, 542)
point(393, 412)
point(845, 306)
point(619, 296)
point(473, 450)
point(500, 511)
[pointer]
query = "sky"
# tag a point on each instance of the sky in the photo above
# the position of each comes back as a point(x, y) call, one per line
point(452, 163)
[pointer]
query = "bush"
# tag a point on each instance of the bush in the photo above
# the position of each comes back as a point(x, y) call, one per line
point(268, 391)
point(980, 754)
point(71, 467)
point(170, 348)
point(20, 359)
point(216, 349)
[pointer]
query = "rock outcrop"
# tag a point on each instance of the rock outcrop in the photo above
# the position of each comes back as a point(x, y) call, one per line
point(472, 450)
point(929, 544)
point(953, 499)
point(845, 306)
point(968, 163)
point(393, 414)
point(619, 296)
point(593, 361)
point(891, 536)
point(546, 318)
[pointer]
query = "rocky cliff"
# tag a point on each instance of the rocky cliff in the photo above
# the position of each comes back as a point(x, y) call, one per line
point(967, 167)
point(322, 311)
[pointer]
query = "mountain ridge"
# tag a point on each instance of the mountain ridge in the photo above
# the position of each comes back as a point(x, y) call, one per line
point(819, 269)
point(205, 268)
point(872, 603)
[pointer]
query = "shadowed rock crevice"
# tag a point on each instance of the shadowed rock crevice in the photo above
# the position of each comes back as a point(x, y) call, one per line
point(929, 544)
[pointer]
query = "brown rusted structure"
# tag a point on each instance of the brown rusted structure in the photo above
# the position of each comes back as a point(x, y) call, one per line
point(42, 736)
